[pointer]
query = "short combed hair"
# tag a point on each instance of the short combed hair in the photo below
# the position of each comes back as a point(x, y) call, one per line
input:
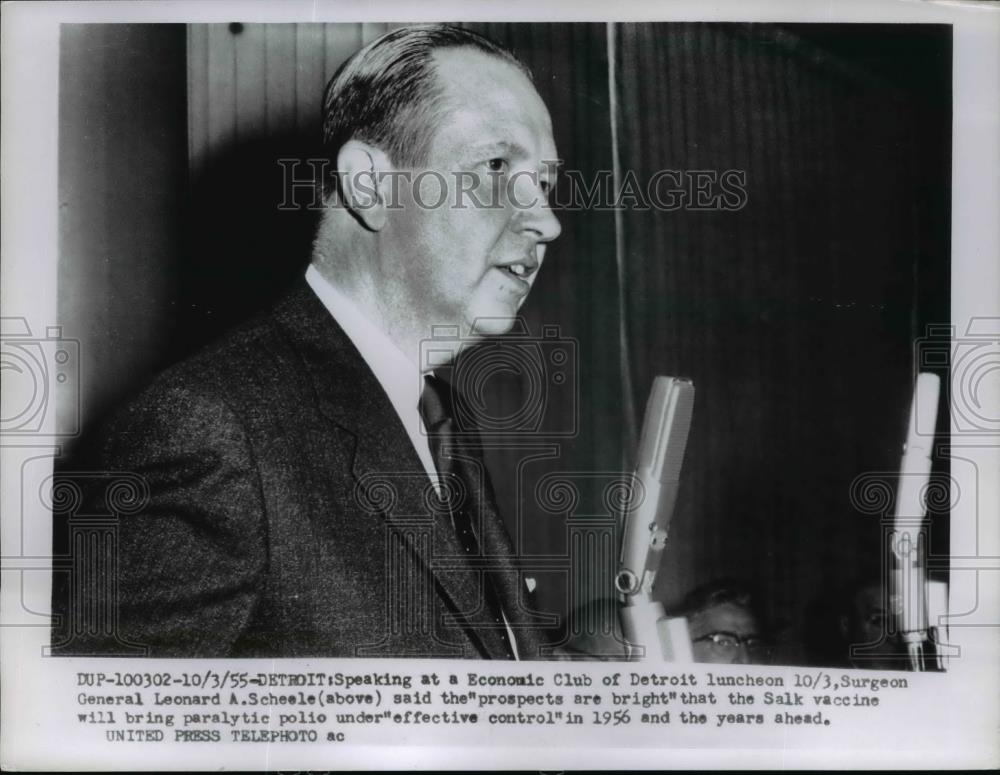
point(387, 94)
point(716, 593)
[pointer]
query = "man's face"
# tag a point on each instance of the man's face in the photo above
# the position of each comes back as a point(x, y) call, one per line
point(469, 264)
point(726, 634)
point(868, 631)
point(870, 615)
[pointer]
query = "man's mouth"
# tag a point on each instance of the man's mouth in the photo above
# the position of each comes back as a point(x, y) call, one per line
point(520, 269)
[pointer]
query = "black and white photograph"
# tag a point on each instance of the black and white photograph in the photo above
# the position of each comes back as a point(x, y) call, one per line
point(365, 357)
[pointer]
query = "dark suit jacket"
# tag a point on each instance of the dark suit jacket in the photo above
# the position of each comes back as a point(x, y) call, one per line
point(277, 508)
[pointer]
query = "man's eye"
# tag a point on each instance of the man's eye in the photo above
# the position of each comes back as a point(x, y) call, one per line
point(497, 165)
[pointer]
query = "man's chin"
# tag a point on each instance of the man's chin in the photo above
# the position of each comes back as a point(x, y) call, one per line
point(496, 325)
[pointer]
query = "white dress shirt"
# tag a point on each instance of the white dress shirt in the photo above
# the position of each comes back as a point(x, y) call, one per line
point(400, 377)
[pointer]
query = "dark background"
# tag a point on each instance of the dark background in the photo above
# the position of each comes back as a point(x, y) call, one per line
point(795, 316)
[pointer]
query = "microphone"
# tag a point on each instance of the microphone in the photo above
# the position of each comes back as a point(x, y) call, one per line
point(657, 479)
point(647, 520)
point(910, 575)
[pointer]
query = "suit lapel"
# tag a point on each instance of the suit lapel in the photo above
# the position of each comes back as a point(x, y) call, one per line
point(388, 471)
point(499, 548)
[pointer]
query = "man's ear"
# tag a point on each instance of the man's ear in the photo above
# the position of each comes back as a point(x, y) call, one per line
point(363, 174)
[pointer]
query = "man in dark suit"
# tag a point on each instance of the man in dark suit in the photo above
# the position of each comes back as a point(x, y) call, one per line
point(297, 488)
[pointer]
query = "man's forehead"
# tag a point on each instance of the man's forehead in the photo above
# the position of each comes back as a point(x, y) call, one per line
point(464, 69)
point(490, 101)
point(870, 597)
point(728, 617)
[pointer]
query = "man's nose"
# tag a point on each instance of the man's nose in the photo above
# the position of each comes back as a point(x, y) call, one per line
point(535, 214)
point(742, 656)
point(549, 227)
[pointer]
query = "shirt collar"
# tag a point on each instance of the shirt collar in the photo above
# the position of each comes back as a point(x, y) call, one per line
point(400, 377)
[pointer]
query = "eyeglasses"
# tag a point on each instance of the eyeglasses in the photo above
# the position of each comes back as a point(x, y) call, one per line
point(726, 644)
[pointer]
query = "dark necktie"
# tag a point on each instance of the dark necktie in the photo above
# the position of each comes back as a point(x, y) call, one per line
point(456, 460)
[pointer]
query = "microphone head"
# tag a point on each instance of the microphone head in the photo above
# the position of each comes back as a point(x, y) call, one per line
point(665, 428)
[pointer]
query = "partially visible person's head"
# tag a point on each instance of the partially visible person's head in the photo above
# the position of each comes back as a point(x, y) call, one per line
point(864, 621)
point(725, 625)
point(444, 159)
